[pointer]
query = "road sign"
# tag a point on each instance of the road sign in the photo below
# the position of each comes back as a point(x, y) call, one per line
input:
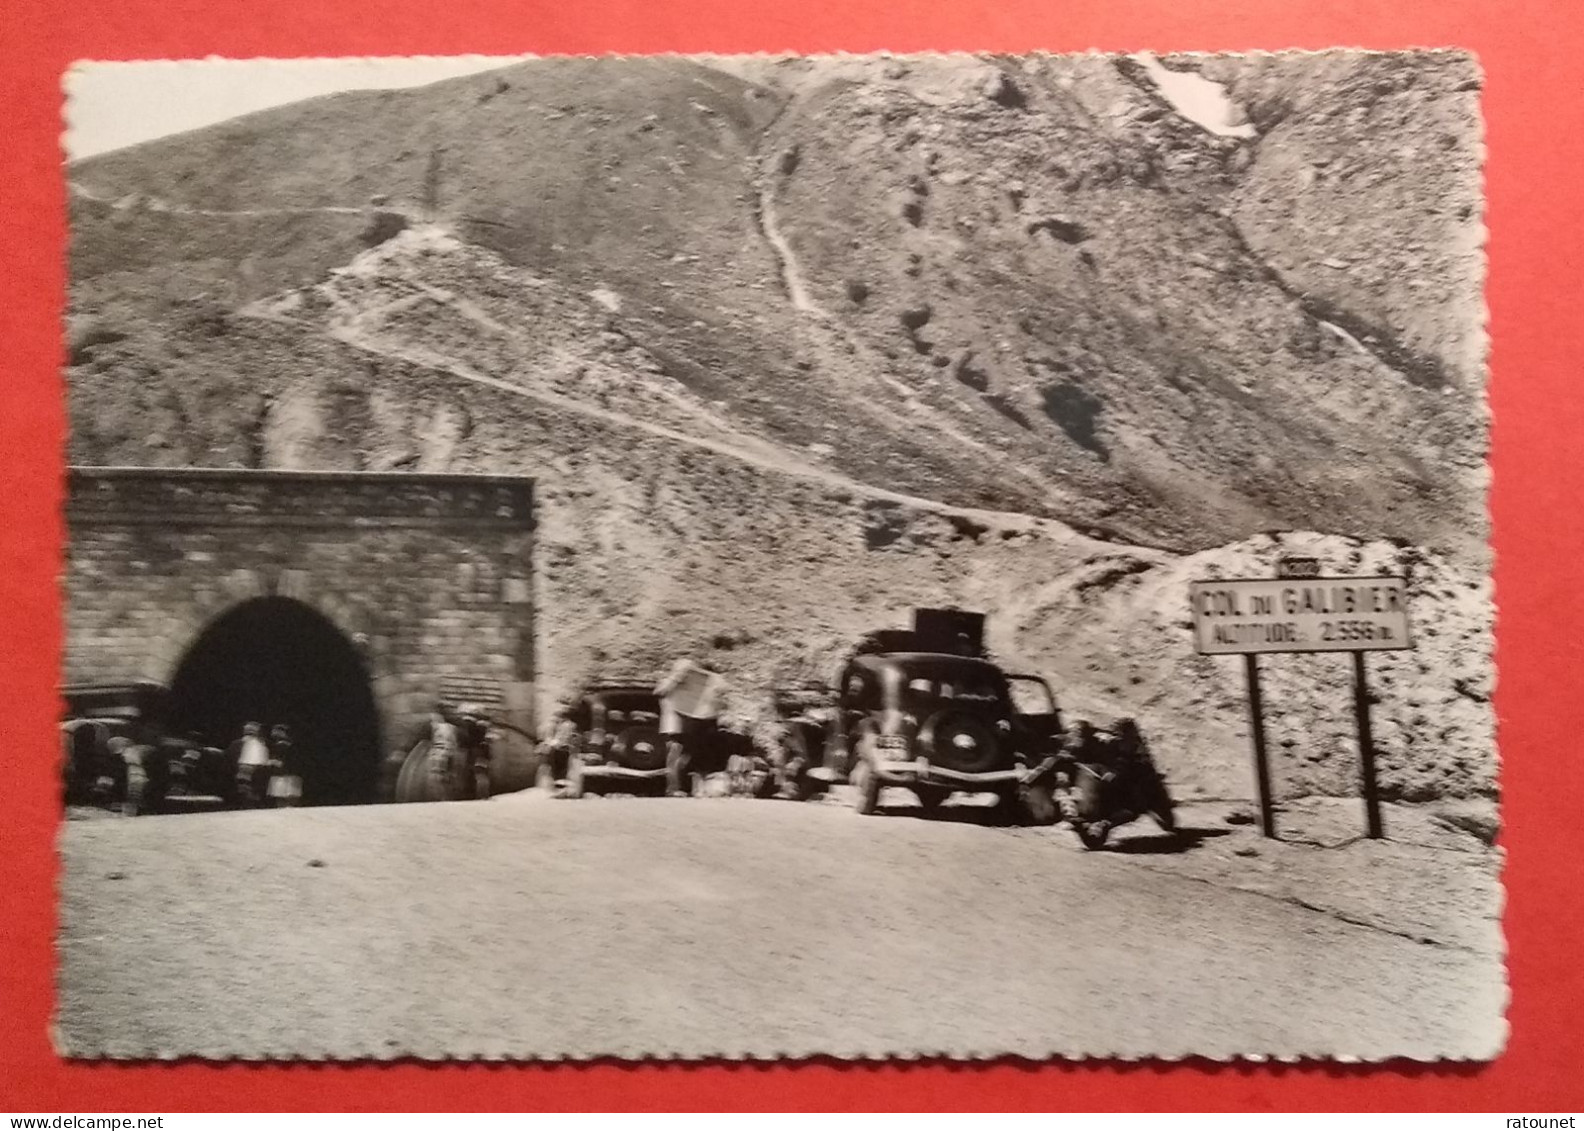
point(1320, 614)
point(1300, 612)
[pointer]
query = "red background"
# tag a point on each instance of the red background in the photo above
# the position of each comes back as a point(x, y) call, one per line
point(1530, 51)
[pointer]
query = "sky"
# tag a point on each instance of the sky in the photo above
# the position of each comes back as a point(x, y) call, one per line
point(110, 105)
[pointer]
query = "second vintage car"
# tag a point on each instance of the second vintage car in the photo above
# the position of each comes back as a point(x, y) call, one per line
point(609, 741)
point(929, 710)
point(119, 751)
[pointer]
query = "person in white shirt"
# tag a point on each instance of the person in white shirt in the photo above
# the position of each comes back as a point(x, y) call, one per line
point(253, 761)
point(691, 696)
point(555, 753)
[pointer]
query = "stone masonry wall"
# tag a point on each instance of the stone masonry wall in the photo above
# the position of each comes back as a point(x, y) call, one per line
point(429, 576)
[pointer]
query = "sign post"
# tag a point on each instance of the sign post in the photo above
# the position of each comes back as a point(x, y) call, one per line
point(1300, 611)
point(1366, 741)
point(1257, 729)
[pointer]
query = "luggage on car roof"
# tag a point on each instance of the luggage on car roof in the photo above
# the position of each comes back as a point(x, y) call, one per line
point(956, 631)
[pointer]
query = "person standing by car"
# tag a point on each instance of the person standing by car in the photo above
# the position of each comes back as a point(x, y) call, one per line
point(133, 801)
point(285, 787)
point(444, 744)
point(473, 730)
point(253, 759)
point(691, 696)
point(280, 747)
point(555, 752)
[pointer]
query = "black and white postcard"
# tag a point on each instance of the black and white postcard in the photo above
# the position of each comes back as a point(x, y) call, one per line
point(761, 557)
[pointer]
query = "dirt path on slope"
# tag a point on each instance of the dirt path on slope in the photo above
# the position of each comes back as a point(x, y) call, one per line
point(137, 201)
point(766, 457)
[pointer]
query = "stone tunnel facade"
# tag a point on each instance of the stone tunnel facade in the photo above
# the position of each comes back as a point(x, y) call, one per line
point(427, 577)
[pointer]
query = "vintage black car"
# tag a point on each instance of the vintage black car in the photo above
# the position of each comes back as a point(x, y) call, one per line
point(191, 770)
point(609, 741)
point(927, 709)
point(93, 766)
point(805, 711)
point(940, 724)
point(117, 751)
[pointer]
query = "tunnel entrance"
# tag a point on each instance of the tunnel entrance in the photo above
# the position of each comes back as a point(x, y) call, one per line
point(275, 661)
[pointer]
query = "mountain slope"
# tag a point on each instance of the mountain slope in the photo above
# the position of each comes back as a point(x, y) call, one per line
point(1022, 284)
point(795, 345)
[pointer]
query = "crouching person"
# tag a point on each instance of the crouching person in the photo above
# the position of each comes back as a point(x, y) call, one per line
point(1081, 744)
point(743, 772)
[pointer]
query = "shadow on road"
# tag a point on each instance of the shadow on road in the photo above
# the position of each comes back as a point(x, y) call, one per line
point(1150, 843)
point(1154, 844)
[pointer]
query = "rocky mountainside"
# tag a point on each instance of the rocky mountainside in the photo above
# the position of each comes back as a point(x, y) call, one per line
point(793, 345)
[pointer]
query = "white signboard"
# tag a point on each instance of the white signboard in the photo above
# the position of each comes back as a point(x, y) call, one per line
point(1318, 614)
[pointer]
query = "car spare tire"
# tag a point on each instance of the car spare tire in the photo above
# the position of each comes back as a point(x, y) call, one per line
point(639, 748)
point(960, 741)
point(413, 781)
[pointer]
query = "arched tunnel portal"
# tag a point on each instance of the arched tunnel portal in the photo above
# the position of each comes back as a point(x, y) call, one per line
point(342, 605)
point(277, 662)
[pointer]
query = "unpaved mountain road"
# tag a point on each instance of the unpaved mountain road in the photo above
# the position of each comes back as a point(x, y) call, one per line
point(632, 928)
point(365, 330)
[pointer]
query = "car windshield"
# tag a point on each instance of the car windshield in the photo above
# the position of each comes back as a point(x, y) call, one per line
point(959, 685)
point(622, 710)
point(631, 716)
point(1031, 697)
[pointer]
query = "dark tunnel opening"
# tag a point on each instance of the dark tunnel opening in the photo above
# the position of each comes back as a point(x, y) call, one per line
point(276, 661)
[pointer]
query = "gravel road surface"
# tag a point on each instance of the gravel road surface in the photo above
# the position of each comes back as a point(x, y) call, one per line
point(525, 927)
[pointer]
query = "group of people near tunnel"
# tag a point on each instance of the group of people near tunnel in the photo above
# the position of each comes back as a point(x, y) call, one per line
point(140, 769)
point(262, 762)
